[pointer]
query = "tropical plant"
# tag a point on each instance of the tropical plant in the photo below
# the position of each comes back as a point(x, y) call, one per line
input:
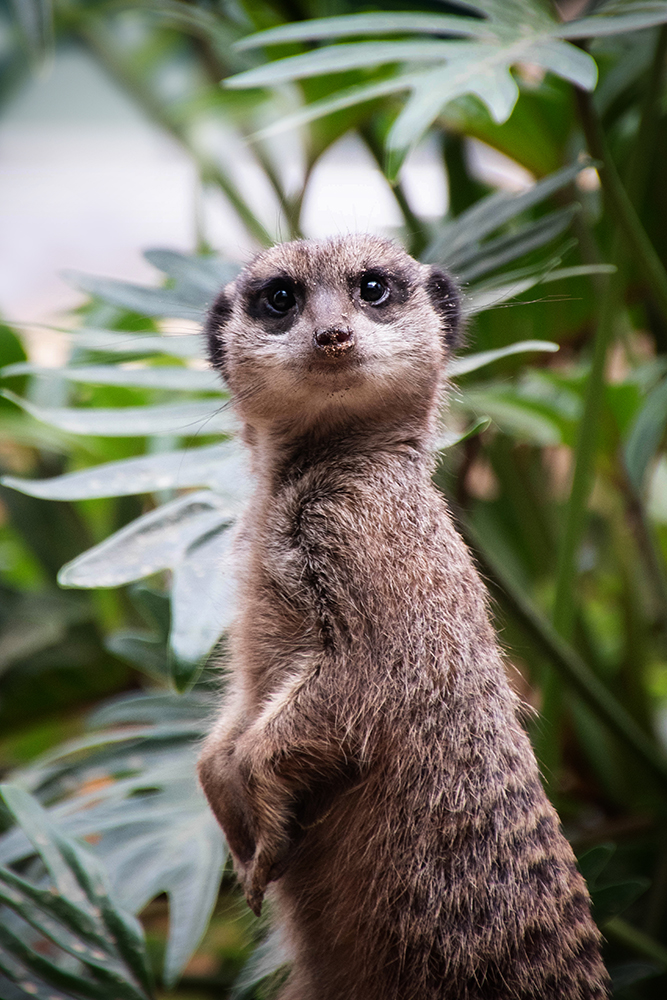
point(576, 564)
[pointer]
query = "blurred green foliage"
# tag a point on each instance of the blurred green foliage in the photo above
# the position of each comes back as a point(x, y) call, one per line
point(122, 473)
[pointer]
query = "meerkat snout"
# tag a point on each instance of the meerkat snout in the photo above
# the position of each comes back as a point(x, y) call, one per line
point(334, 341)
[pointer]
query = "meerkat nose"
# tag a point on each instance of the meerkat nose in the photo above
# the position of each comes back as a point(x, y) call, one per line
point(334, 340)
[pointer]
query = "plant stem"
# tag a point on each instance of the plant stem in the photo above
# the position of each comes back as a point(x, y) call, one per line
point(639, 942)
point(620, 205)
point(586, 446)
point(418, 236)
point(210, 171)
point(568, 664)
point(642, 154)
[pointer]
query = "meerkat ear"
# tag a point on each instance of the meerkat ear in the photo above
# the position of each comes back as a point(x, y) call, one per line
point(216, 321)
point(446, 301)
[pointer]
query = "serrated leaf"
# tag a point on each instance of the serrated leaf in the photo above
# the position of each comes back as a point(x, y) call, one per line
point(133, 421)
point(222, 467)
point(158, 377)
point(156, 541)
point(471, 362)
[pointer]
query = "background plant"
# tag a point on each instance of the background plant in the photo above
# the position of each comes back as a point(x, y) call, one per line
point(556, 468)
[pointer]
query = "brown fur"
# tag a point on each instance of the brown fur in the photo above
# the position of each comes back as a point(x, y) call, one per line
point(368, 762)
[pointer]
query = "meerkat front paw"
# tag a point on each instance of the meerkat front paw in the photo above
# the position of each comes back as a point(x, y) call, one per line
point(266, 866)
point(254, 880)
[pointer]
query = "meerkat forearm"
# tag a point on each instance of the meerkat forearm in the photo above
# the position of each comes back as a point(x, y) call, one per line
point(257, 776)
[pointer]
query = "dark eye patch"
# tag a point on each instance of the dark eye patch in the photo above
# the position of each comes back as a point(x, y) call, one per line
point(275, 300)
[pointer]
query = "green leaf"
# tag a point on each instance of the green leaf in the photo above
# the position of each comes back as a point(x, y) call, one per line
point(142, 650)
point(630, 16)
point(345, 98)
point(165, 841)
point(610, 900)
point(512, 414)
point(138, 298)
point(646, 434)
point(20, 896)
point(385, 23)
point(210, 274)
point(159, 377)
point(203, 592)
point(37, 827)
point(140, 344)
point(499, 252)
point(184, 419)
point(222, 467)
point(449, 438)
point(565, 60)
point(33, 964)
point(156, 541)
point(88, 909)
point(628, 973)
point(479, 67)
point(471, 362)
point(492, 83)
point(269, 962)
point(593, 862)
point(338, 59)
point(492, 212)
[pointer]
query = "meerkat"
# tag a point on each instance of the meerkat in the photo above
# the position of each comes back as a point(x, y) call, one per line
point(368, 767)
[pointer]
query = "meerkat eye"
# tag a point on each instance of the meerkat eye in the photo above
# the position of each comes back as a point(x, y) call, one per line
point(280, 299)
point(373, 289)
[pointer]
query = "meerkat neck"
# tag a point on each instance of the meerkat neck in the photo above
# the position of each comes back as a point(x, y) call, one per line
point(278, 455)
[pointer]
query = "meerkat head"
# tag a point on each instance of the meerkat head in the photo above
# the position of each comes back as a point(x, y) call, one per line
point(351, 329)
